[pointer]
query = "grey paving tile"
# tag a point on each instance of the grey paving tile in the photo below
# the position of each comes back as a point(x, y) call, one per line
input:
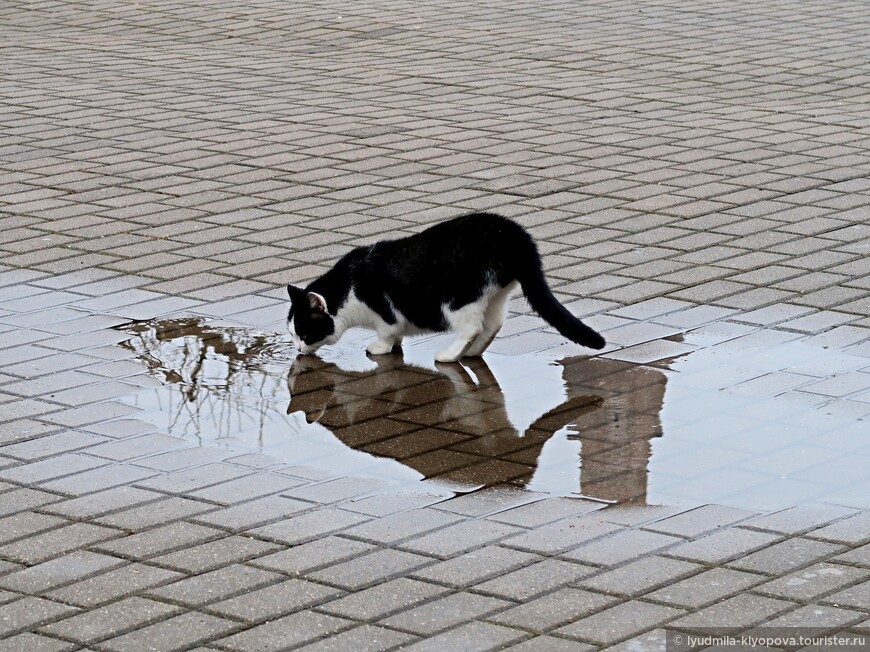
point(379, 601)
point(638, 577)
point(550, 644)
point(178, 633)
point(377, 567)
point(286, 632)
point(456, 539)
point(275, 600)
point(36, 642)
point(619, 622)
point(58, 572)
point(475, 636)
point(722, 546)
point(223, 583)
point(562, 535)
point(446, 612)
point(621, 546)
point(364, 637)
point(740, 611)
point(813, 581)
point(786, 556)
point(554, 609)
point(111, 620)
point(214, 554)
point(127, 580)
point(533, 580)
point(29, 611)
point(705, 588)
point(476, 566)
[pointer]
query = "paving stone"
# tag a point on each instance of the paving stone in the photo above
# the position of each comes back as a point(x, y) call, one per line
point(377, 567)
point(308, 526)
point(379, 601)
point(365, 637)
point(211, 555)
point(619, 622)
point(705, 588)
point(246, 516)
point(140, 517)
point(822, 618)
point(799, 519)
point(562, 535)
point(443, 613)
point(621, 546)
point(474, 636)
point(550, 611)
point(35, 643)
point(858, 556)
point(641, 576)
point(100, 503)
point(550, 644)
point(220, 584)
point(397, 527)
point(699, 521)
point(813, 581)
point(722, 546)
point(852, 530)
point(21, 500)
point(29, 612)
point(111, 620)
point(313, 555)
point(286, 632)
point(533, 580)
point(786, 556)
point(42, 547)
point(275, 600)
point(160, 540)
point(740, 611)
point(179, 633)
point(59, 571)
point(456, 539)
point(127, 580)
point(475, 566)
point(540, 512)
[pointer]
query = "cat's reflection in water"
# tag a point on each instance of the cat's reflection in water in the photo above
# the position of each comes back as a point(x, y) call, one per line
point(451, 423)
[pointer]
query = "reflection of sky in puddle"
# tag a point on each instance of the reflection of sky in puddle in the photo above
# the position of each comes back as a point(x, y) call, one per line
point(741, 426)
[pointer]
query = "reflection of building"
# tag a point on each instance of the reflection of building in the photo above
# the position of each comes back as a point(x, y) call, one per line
point(591, 420)
point(616, 438)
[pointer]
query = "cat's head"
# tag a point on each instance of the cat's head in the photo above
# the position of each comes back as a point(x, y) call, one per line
point(309, 321)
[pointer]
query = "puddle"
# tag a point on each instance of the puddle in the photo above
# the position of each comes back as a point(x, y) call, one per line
point(734, 423)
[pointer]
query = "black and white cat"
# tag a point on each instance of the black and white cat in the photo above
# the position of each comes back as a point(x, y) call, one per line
point(455, 276)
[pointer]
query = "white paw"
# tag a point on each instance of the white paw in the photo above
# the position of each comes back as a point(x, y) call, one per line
point(446, 356)
point(379, 347)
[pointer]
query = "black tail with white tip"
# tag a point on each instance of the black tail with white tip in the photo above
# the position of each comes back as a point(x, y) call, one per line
point(543, 302)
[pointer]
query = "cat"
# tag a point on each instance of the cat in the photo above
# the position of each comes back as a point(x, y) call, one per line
point(454, 276)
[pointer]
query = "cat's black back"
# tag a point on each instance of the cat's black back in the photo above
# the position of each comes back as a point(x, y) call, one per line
point(447, 264)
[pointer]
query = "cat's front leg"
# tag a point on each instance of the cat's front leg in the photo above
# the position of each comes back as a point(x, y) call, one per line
point(384, 344)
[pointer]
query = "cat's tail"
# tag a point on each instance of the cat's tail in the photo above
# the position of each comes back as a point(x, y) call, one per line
point(543, 302)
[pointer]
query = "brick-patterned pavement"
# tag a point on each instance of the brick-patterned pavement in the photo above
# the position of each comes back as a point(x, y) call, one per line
point(698, 177)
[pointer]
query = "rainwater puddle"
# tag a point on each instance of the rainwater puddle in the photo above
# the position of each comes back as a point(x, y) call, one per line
point(750, 422)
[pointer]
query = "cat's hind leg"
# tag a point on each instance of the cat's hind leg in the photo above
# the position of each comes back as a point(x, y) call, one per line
point(493, 320)
point(467, 323)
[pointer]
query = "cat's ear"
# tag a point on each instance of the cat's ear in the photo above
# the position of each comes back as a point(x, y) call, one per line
point(317, 302)
point(293, 291)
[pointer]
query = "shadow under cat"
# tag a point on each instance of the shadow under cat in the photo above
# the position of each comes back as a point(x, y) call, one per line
point(579, 426)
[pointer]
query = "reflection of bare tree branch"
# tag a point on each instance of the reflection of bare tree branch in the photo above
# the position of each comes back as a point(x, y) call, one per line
point(220, 374)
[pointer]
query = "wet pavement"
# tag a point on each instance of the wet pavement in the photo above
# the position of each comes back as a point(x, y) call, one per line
point(173, 477)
